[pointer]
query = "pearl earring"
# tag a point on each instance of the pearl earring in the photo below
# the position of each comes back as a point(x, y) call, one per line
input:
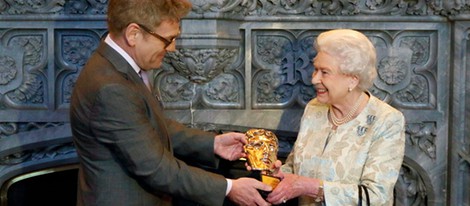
point(349, 89)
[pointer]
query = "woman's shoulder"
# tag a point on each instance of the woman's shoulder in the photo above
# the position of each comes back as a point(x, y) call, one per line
point(381, 108)
point(316, 105)
point(315, 102)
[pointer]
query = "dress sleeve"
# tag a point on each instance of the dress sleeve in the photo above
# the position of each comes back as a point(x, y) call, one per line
point(382, 166)
point(385, 159)
point(288, 167)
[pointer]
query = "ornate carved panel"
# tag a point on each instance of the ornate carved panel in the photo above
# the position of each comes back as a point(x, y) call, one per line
point(407, 68)
point(409, 73)
point(23, 71)
point(247, 63)
point(460, 154)
point(74, 48)
point(200, 78)
point(36, 7)
point(282, 68)
point(413, 186)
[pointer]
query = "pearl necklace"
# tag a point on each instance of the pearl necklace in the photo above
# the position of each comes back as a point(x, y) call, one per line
point(348, 117)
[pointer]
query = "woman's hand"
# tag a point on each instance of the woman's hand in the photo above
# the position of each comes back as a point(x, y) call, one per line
point(290, 187)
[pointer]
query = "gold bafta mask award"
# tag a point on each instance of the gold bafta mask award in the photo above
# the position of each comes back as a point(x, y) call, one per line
point(261, 151)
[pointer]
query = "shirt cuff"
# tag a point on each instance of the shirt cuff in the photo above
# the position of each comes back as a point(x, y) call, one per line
point(229, 186)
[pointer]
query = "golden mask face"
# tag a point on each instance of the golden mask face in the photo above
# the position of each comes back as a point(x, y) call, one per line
point(261, 149)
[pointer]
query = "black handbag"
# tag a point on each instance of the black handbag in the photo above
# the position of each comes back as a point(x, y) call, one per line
point(360, 195)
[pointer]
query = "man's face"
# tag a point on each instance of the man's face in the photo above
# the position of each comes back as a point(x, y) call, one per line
point(261, 149)
point(150, 50)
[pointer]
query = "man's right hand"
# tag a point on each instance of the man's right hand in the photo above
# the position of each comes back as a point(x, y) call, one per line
point(245, 192)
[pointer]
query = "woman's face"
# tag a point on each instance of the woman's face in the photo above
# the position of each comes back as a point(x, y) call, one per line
point(330, 84)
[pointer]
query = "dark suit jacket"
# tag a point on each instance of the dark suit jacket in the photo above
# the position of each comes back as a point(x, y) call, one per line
point(126, 146)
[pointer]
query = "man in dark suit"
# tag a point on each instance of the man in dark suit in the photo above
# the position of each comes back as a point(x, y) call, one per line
point(126, 146)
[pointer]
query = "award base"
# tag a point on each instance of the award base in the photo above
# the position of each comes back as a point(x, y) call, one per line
point(266, 179)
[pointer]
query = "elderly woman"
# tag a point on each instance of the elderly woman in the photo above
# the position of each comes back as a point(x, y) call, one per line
point(347, 137)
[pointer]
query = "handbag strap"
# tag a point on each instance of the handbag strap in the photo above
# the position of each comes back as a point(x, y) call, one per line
point(360, 187)
point(360, 195)
point(367, 195)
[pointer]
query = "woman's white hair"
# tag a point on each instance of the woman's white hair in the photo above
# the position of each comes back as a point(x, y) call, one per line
point(354, 53)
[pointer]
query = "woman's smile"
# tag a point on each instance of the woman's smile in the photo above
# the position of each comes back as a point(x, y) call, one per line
point(320, 89)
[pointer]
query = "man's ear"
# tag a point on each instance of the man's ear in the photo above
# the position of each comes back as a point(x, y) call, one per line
point(132, 33)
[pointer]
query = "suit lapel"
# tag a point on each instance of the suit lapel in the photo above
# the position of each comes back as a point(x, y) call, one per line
point(118, 62)
point(121, 65)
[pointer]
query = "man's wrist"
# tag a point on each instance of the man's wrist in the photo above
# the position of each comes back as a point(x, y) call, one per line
point(215, 144)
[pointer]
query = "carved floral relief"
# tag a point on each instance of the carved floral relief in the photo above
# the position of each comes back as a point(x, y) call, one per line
point(406, 67)
point(44, 153)
point(8, 69)
point(422, 136)
point(31, 6)
point(237, 8)
point(36, 152)
point(192, 77)
point(22, 74)
point(75, 49)
point(411, 189)
point(224, 89)
point(86, 7)
point(332, 7)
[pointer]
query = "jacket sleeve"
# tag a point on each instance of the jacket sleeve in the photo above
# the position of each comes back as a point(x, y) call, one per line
point(120, 121)
point(194, 146)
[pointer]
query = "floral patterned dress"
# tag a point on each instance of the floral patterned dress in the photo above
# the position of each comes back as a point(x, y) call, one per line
point(368, 150)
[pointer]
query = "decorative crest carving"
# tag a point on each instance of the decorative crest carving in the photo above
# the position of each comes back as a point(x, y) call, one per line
point(49, 152)
point(31, 6)
point(86, 7)
point(410, 188)
point(8, 128)
point(311, 7)
point(8, 69)
point(423, 136)
point(285, 69)
point(201, 65)
point(224, 88)
point(237, 8)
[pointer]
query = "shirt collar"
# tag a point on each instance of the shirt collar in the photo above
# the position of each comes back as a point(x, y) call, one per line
point(124, 54)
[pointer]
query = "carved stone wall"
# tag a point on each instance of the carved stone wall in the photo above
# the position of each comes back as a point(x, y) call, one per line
point(247, 63)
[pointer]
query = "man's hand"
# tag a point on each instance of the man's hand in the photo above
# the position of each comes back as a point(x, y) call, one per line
point(244, 192)
point(230, 145)
point(276, 170)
